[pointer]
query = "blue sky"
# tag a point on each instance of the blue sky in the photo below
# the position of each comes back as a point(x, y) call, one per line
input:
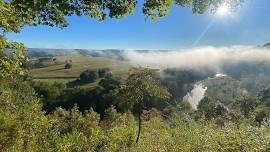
point(180, 29)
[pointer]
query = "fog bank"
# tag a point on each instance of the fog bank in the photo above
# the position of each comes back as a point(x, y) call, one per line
point(212, 58)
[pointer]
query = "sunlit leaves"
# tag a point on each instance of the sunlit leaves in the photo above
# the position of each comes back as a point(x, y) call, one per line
point(156, 8)
point(21, 117)
point(17, 13)
point(11, 20)
point(233, 4)
point(139, 85)
point(120, 8)
point(12, 54)
point(53, 12)
point(202, 6)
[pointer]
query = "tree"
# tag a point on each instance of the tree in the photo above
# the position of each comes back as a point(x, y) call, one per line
point(109, 82)
point(262, 113)
point(207, 107)
point(264, 96)
point(12, 55)
point(247, 104)
point(53, 13)
point(68, 66)
point(103, 72)
point(139, 86)
point(89, 76)
point(23, 122)
point(210, 108)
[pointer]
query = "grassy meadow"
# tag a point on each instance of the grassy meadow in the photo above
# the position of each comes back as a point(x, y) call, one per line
point(58, 73)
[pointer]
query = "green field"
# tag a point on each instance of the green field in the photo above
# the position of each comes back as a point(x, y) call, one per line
point(57, 72)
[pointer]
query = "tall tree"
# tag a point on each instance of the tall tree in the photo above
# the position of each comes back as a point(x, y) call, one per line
point(139, 86)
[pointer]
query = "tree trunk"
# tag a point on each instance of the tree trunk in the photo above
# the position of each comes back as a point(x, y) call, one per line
point(139, 130)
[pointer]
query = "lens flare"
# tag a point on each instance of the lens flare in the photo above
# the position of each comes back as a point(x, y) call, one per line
point(224, 9)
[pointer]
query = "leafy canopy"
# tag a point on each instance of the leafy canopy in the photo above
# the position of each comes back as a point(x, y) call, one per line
point(15, 14)
point(12, 54)
point(139, 85)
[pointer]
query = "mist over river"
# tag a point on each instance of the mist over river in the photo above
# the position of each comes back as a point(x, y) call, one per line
point(195, 95)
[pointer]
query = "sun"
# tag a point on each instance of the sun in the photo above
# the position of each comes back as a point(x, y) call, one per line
point(224, 9)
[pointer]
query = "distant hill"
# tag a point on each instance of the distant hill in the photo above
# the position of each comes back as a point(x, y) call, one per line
point(41, 52)
point(108, 53)
point(266, 45)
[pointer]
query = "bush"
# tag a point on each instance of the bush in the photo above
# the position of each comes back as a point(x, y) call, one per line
point(74, 131)
point(22, 121)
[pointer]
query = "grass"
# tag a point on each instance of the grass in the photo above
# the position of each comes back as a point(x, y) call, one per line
point(57, 73)
point(51, 80)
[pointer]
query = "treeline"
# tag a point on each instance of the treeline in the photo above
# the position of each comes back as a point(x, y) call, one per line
point(99, 97)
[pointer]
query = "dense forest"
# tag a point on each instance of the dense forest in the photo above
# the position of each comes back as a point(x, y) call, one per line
point(141, 109)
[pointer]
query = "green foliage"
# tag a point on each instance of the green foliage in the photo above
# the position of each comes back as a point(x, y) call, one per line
point(11, 19)
point(223, 89)
point(49, 93)
point(246, 105)
point(68, 66)
point(17, 13)
point(74, 131)
point(55, 95)
point(89, 76)
point(261, 114)
point(264, 96)
point(103, 72)
point(210, 109)
point(22, 120)
point(139, 85)
point(155, 9)
point(109, 82)
point(201, 6)
point(24, 127)
point(12, 55)
point(119, 129)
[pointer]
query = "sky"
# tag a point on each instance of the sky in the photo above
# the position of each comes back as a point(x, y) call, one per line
point(250, 25)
